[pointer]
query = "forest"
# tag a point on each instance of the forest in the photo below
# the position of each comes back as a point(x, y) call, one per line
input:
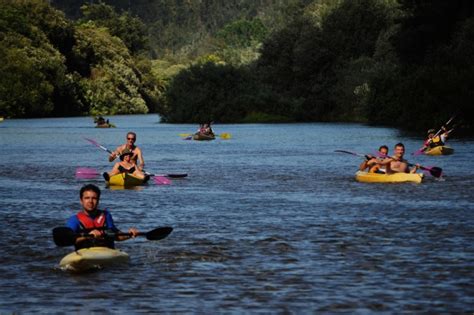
point(402, 63)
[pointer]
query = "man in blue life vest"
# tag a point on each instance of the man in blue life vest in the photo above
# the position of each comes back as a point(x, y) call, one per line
point(94, 222)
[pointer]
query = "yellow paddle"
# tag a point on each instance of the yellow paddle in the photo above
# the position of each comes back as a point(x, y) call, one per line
point(225, 136)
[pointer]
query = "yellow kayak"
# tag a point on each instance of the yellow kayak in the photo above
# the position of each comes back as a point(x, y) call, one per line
point(365, 177)
point(126, 180)
point(440, 150)
point(93, 258)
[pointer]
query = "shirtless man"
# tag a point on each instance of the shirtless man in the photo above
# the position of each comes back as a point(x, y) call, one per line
point(130, 146)
point(396, 163)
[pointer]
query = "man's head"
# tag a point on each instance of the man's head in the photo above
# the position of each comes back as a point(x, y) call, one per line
point(89, 197)
point(431, 133)
point(131, 137)
point(399, 150)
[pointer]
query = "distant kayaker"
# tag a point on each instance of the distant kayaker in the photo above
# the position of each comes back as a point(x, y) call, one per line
point(92, 221)
point(205, 129)
point(396, 163)
point(137, 156)
point(436, 139)
point(370, 163)
point(126, 165)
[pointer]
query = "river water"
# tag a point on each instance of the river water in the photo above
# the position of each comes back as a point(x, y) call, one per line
point(270, 221)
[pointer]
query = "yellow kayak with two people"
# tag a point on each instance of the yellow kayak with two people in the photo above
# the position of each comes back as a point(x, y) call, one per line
point(366, 177)
point(126, 180)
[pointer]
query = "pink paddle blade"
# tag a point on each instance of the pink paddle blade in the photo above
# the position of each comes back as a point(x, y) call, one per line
point(161, 180)
point(86, 173)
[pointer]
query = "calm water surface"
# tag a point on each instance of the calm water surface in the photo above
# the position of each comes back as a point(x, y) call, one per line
point(270, 221)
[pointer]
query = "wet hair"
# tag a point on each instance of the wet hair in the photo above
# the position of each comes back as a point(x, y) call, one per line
point(400, 145)
point(90, 187)
point(132, 133)
point(124, 154)
point(383, 147)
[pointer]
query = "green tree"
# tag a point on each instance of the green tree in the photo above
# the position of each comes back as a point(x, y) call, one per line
point(31, 67)
point(113, 85)
point(130, 29)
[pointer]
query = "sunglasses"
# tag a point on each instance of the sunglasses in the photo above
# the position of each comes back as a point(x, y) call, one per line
point(131, 139)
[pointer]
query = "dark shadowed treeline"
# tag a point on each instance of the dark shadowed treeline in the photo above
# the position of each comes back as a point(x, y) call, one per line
point(400, 63)
point(404, 63)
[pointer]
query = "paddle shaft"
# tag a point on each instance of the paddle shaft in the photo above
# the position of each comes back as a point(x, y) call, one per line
point(64, 236)
point(435, 171)
point(447, 123)
point(99, 145)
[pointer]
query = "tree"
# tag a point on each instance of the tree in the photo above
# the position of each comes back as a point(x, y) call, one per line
point(113, 85)
point(130, 29)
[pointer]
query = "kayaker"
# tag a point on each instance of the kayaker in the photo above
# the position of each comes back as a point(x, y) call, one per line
point(205, 129)
point(370, 163)
point(126, 165)
point(92, 221)
point(396, 163)
point(438, 139)
point(137, 156)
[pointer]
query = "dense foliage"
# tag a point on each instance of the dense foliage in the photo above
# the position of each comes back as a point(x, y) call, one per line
point(53, 67)
point(407, 63)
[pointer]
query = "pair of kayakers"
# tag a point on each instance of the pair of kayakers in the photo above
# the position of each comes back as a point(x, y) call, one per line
point(205, 129)
point(101, 122)
point(129, 155)
point(388, 164)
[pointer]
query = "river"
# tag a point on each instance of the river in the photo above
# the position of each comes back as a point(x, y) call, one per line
point(270, 221)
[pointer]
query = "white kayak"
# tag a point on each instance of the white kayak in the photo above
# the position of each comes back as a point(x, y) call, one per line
point(93, 258)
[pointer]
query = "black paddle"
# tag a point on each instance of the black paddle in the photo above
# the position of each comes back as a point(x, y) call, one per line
point(434, 171)
point(64, 236)
point(181, 175)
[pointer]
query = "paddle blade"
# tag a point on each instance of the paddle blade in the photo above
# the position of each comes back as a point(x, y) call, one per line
point(161, 180)
point(86, 173)
point(170, 175)
point(185, 134)
point(436, 171)
point(64, 236)
point(176, 175)
point(226, 136)
point(159, 233)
